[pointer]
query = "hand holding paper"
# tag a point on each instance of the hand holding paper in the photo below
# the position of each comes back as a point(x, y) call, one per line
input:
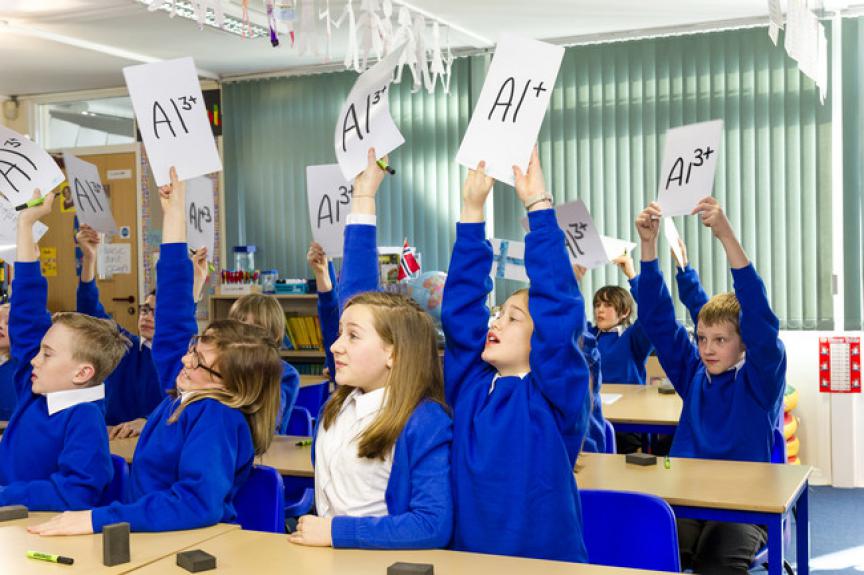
point(316, 257)
point(366, 184)
point(173, 200)
point(625, 264)
point(27, 251)
point(475, 190)
point(530, 187)
point(648, 227)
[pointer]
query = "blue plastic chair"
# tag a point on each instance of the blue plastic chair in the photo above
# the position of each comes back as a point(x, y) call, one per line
point(299, 495)
point(114, 491)
point(300, 422)
point(778, 456)
point(611, 446)
point(644, 521)
point(312, 397)
point(260, 502)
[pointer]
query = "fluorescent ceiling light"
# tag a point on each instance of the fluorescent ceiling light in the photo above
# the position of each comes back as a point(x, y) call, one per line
point(230, 24)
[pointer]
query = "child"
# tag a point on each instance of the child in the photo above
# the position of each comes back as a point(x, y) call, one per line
point(266, 312)
point(518, 386)
point(382, 447)
point(595, 433)
point(196, 451)
point(132, 391)
point(54, 453)
point(731, 381)
point(621, 341)
point(8, 398)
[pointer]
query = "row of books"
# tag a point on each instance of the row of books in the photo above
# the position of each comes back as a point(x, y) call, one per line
point(303, 333)
point(309, 368)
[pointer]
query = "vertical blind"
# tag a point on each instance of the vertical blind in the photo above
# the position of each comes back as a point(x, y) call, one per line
point(601, 142)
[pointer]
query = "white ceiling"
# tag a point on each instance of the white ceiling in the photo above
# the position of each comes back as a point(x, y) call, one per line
point(35, 55)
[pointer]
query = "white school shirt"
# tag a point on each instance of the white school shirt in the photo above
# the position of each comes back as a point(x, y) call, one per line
point(60, 400)
point(346, 484)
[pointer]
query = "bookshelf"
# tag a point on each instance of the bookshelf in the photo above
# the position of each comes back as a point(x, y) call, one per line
point(292, 305)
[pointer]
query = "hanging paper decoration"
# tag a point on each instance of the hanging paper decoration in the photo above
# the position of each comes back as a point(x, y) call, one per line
point(271, 23)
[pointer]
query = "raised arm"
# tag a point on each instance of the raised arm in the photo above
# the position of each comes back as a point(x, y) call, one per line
point(690, 290)
point(175, 312)
point(677, 354)
point(360, 263)
point(328, 302)
point(557, 309)
point(464, 315)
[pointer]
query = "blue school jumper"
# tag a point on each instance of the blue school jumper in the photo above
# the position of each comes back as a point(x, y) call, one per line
point(132, 390)
point(731, 415)
point(595, 435)
point(418, 495)
point(184, 474)
point(514, 447)
point(288, 390)
point(47, 462)
point(624, 354)
point(690, 291)
point(8, 397)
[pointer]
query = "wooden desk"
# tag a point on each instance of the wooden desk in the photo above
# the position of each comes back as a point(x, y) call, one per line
point(736, 491)
point(3, 426)
point(243, 552)
point(307, 380)
point(87, 549)
point(284, 455)
point(642, 409)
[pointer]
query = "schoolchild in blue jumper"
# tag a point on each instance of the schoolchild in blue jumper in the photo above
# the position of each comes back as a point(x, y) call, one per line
point(621, 341)
point(265, 311)
point(731, 381)
point(8, 397)
point(132, 391)
point(197, 450)
point(518, 386)
point(54, 453)
point(382, 444)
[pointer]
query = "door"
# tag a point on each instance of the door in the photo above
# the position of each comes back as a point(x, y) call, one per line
point(119, 293)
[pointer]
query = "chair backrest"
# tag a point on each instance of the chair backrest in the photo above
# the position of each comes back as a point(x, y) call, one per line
point(778, 447)
point(312, 397)
point(645, 522)
point(611, 446)
point(114, 491)
point(260, 502)
point(300, 422)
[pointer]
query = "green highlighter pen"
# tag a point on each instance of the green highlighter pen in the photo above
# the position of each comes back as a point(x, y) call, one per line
point(303, 442)
point(384, 166)
point(50, 558)
point(666, 463)
point(32, 203)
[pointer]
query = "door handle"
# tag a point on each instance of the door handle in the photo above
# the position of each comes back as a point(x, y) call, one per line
point(130, 299)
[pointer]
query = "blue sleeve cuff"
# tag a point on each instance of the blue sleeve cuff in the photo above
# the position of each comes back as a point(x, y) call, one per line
point(343, 532)
point(327, 297)
point(28, 269)
point(174, 251)
point(542, 218)
point(471, 231)
point(653, 267)
point(683, 271)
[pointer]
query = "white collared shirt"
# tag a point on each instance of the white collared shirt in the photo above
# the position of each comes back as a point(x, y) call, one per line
point(346, 484)
point(4, 358)
point(736, 367)
point(144, 343)
point(60, 400)
point(619, 329)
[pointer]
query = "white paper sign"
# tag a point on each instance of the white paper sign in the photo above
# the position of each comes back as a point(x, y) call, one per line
point(672, 237)
point(509, 260)
point(24, 166)
point(114, 259)
point(201, 215)
point(610, 398)
point(172, 118)
point(329, 197)
point(585, 245)
point(91, 203)
point(511, 106)
point(9, 230)
point(689, 163)
point(616, 247)
point(364, 121)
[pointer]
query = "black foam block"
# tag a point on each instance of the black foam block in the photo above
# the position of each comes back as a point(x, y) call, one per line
point(411, 569)
point(196, 560)
point(115, 544)
point(641, 459)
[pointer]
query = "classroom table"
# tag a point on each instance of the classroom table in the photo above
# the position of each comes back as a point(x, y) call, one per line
point(735, 491)
point(243, 552)
point(641, 408)
point(284, 454)
point(3, 425)
point(86, 550)
point(307, 380)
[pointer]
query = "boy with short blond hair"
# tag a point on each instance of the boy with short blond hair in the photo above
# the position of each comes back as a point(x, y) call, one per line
point(731, 380)
point(54, 454)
